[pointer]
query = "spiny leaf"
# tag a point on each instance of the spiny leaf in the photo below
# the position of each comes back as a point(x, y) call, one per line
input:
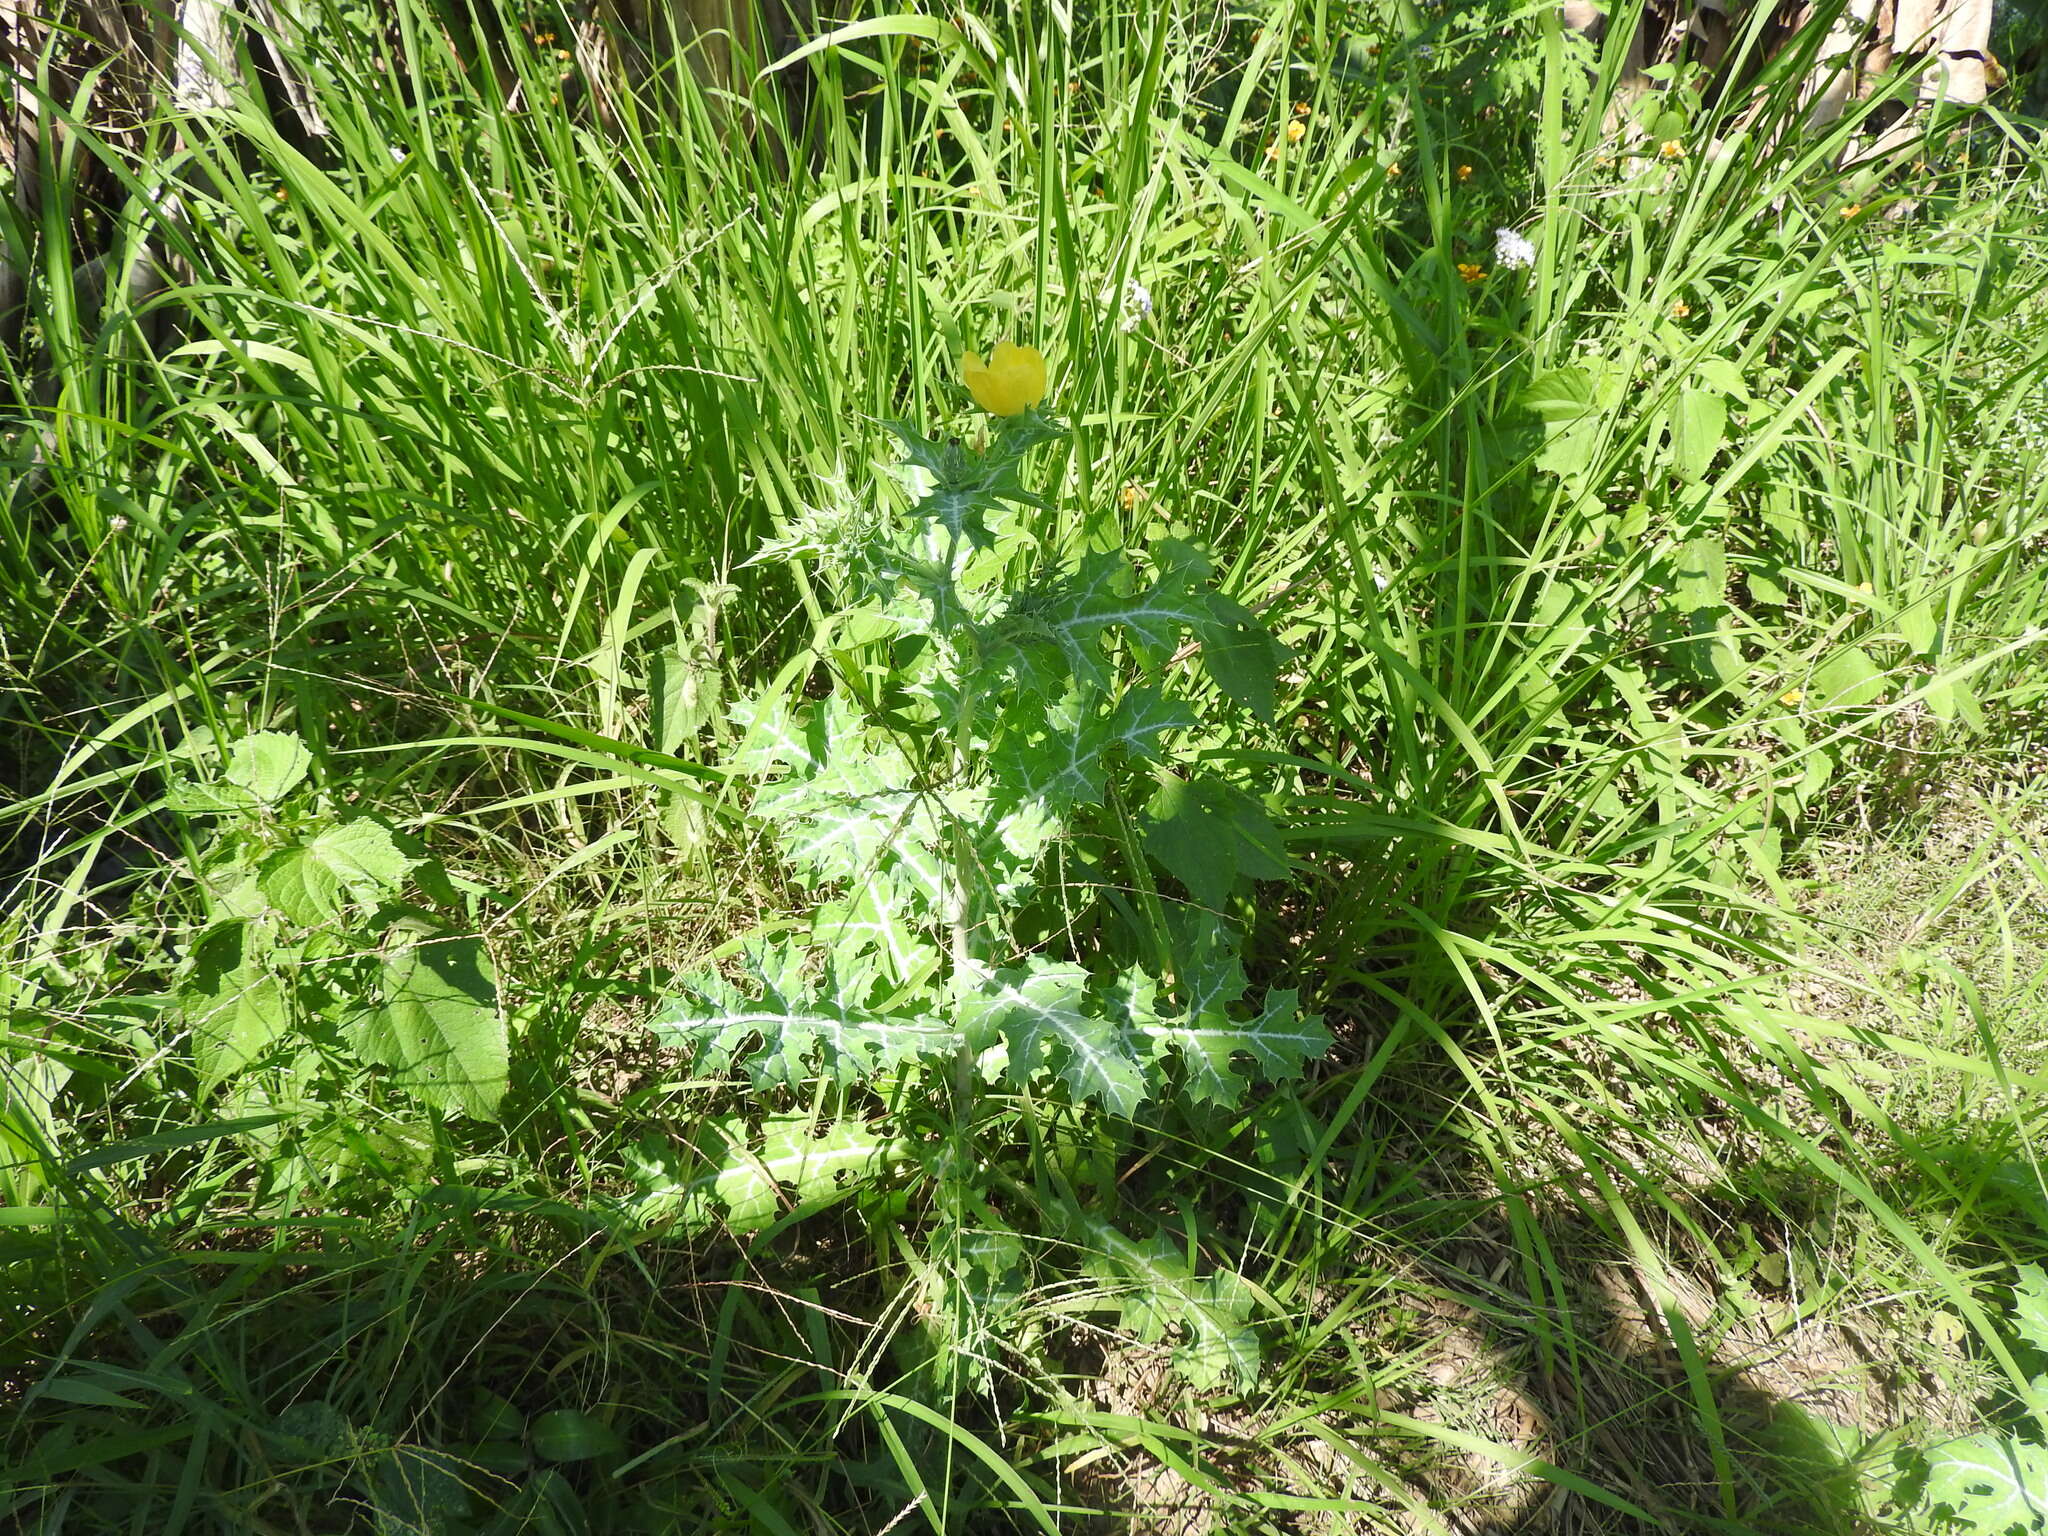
point(790, 1029)
point(1158, 1291)
point(741, 1179)
point(1279, 1040)
point(1063, 761)
point(1045, 1015)
point(2030, 1307)
point(1989, 1484)
point(1074, 613)
point(775, 737)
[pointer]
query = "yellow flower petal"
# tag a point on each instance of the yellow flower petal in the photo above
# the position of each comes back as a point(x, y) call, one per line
point(1011, 381)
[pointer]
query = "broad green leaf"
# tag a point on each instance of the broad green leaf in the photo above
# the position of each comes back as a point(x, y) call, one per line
point(1768, 584)
point(1241, 656)
point(357, 859)
point(235, 1008)
point(1702, 575)
point(269, 764)
point(301, 887)
point(1954, 699)
point(1848, 679)
point(1209, 836)
point(1920, 626)
point(209, 798)
point(420, 1491)
point(1572, 403)
point(492, 1417)
point(1699, 421)
point(1724, 377)
point(568, 1434)
point(315, 1430)
point(683, 686)
point(439, 1029)
point(363, 856)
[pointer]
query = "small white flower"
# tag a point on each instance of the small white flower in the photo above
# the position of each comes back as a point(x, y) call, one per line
point(117, 524)
point(1135, 302)
point(1511, 249)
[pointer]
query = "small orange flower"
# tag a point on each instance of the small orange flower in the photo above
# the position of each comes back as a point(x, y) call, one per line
point(280, 194)
point(1671, 149)
point(1301, 109)
point(1850, 210)
point(1394, 171)
point(1464, 173)
point(1680, 309)
point(1132, 496)
point(1472, 272)
point(1296, 131)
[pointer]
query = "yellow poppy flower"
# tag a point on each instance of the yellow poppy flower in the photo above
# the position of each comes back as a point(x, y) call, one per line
point(1464, 173)
point(1680, 309)
point(1793, 696)
point(1471, 271)
point(1011, 381)
point(1672, 149)
point(1296, 131)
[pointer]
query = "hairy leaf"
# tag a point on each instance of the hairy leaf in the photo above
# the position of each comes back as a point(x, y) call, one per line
point(439, 1029)
point(268, 764)
point(234, 1006)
